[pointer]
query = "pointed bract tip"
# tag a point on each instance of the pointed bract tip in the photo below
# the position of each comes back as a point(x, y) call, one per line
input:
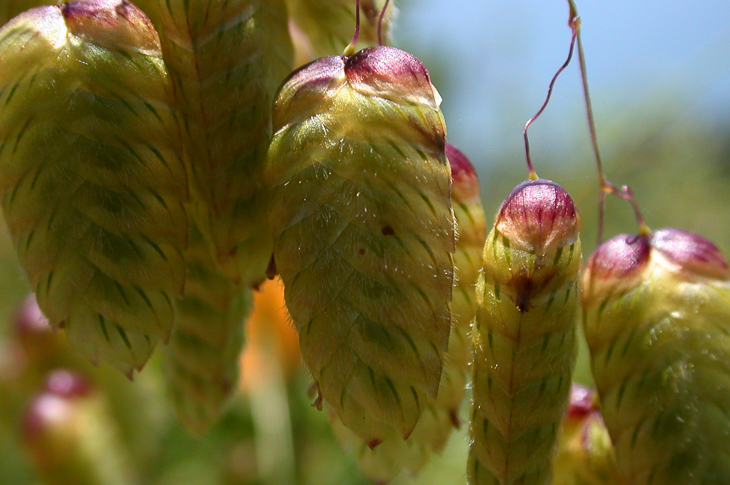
point(454, 418)
point(539, 216)
point(271, 270)
point(374, 442)
point(694, 255)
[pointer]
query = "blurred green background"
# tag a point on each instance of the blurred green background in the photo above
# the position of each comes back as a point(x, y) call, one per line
point(662, 97)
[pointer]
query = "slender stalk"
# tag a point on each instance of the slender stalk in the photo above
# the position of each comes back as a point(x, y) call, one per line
point(606, 186)
point(533, 174)
point(350, 49)
point(380, 22)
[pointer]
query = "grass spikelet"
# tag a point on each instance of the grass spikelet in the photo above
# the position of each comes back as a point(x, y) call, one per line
point(91, 176)
point(524, 336)
point(363, 231)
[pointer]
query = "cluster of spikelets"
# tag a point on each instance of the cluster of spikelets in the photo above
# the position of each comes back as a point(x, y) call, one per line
point(157, 163)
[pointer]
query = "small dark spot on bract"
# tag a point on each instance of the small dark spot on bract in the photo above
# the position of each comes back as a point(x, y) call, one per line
point(387, 231)
point(362, 251)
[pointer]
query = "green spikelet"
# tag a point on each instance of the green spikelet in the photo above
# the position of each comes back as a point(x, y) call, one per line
point(585, 452)
point(325, 26)
point(524, 335)
point(202, 356)
point(226, 60)
point(90, 175)
point(388, 459)
point(657, 320)
point(363, 231)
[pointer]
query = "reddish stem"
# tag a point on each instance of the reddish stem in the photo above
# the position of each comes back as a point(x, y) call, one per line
point(605, 186)
point(533, 174)
point(380, 22)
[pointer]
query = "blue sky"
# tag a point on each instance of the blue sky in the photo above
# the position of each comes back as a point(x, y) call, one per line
point(500, 57)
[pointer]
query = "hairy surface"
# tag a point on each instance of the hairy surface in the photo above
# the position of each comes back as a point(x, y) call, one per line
point(91, 175)
point(364, 236)
point(441, 415)
point(658, 328)
point(524, 336)
point(226, 60)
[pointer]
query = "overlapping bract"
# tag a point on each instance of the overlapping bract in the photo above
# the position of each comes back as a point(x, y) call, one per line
point(363, 231)
point(202, 357)
point(657, 320)
point(226, 60)
point(524, 335)
point(441, 415)
point(91, 174)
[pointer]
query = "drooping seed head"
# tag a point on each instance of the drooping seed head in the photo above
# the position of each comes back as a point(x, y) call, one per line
point(364, 132)
point(539, 216)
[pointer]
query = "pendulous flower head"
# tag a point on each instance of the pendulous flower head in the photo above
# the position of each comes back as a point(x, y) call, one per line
point(539, 216)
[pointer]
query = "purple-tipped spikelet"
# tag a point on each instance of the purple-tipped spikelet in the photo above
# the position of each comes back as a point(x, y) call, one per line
point(364, 233)
point(91, 177)
point(71, 436)
point(226, 59)
point(657, 320)
point(585, 453)
point(383, 462)
point(524, 335)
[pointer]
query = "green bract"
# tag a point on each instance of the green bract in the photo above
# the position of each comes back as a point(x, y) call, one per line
point(91, 177)
point(524, 335)
point(202, 358)
point(440, 416)
point(364, 234)
point(657, 320)
point(226, 60)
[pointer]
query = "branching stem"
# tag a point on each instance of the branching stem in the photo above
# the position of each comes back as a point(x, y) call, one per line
point(605, 185)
